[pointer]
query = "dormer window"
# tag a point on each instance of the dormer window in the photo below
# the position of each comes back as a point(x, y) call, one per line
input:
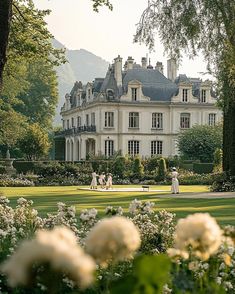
point(185, 95)
point(134, 94)
point(110, 94)
point(203, 96)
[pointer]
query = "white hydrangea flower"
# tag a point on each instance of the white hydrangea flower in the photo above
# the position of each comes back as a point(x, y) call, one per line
point(113, 239)
point(200, 232)
point(57, 247)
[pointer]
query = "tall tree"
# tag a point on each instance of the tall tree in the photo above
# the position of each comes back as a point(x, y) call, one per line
point(193, 26)
point(5, 21)
point(9, 10)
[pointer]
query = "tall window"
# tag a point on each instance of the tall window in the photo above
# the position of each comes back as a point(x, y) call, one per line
point(185, 95)
point(93, 118)
point(134, 94)
point(212, 119)
point(72, 122)
point(67, 123)
point(109, 120)
point(63, 124)
point(79, 121)
point(203, 96)
point(89, 94)
point(109, 148)
point(157, 120)
point(133, 119)
point(185, 120)
point(156, 147)
point(87, 119)
point(133, 148)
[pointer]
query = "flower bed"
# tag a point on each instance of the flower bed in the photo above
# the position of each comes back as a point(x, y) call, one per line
point(143, 252)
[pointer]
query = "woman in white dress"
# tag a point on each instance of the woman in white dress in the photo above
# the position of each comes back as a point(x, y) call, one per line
point(175, 182)
point(109, 182)
point(102, 180)
point(94, 181)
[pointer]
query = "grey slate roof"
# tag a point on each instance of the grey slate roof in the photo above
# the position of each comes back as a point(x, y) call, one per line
point(154, 84)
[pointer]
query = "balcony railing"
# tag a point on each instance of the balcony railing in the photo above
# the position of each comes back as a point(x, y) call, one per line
point(76, 131)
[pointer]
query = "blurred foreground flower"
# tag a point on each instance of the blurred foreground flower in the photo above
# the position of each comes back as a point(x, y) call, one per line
point(112, 240)
point(58, 249)
point(199, 233)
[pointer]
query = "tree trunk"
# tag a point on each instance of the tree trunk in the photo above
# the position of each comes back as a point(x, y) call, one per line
point(5, 22)
point(229, 126)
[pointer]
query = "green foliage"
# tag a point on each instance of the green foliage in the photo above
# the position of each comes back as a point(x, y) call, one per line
point(152, 163)
point(162, 171)
point(12, 127)
point(35, 143)
point(98, 3)
point(30, 82)
point(200, 142)
point(203, 168)
point(39, 101)
point(150, 274)
point(218, 160)
point(137, 167)
point(119, 166)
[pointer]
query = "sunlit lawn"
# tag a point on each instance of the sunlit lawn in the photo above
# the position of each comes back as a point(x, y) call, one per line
point(45, 199)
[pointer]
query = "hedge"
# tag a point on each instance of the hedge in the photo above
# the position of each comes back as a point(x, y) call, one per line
point(203, 168)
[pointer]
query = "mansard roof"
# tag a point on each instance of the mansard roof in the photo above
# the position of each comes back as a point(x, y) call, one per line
point(154, 84)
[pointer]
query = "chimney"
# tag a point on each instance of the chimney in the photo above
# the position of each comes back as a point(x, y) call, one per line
point(130, 62)
point(118, 70)
point(171, 69)
point(144, 62)
point(159, 66)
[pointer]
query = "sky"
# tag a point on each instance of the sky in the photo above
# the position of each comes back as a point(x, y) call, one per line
point(108, 33)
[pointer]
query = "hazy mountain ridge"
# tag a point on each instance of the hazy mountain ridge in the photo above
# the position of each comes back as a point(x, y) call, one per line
point(82, 66)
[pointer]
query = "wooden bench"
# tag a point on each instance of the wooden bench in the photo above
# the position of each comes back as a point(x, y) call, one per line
point(145, 188)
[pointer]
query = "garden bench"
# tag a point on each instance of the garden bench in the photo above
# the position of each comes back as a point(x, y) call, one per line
point(145, 187)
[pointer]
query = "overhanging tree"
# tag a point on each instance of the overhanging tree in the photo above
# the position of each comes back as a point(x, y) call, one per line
point(10, 9)
point(193, 26)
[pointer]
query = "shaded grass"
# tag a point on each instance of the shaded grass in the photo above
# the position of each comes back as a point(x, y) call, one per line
point(46, 198)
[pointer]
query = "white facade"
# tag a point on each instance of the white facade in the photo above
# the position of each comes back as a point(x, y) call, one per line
point(115, 113)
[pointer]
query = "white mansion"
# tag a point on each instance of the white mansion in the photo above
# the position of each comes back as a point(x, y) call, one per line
point(135, 109)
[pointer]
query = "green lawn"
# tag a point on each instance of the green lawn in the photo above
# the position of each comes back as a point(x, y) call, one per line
point(45, 199)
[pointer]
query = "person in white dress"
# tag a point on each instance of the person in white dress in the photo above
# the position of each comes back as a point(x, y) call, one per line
point(102, 180)
point(175, 182)
point(109, 183)
point(94, 181)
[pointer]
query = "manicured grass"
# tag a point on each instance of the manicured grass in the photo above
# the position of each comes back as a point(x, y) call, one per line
point(45, 199)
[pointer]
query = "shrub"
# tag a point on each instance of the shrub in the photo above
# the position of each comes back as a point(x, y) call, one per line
point(162, 169)
point(6, 181)
point(137, 168)
point(151, 164)
point(223, 182)
point(218, 158)
point(119, 166)
point(203, 168)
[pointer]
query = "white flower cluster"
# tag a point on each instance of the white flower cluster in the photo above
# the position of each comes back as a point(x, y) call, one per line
point(138, 206)
point(110, 210)
point(198, 233)
point(89, 216)
point(112, 240)
point(59, 249)
point(66, 216)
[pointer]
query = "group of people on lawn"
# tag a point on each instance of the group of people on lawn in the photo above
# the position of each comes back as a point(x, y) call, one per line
point(109, 183)
point(102, 182)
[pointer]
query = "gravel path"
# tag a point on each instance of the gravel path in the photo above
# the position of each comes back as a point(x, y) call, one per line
point(209, 195)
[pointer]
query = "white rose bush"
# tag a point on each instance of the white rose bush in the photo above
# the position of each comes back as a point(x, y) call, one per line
point(139, 251)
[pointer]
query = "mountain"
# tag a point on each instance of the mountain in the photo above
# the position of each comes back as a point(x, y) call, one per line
point(82, 66)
